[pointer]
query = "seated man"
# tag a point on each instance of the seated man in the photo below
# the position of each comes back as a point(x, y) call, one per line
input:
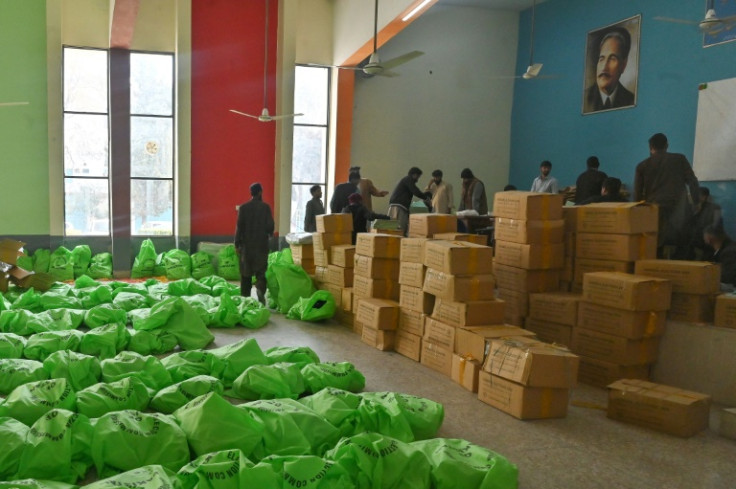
point(724, 252)
point(610, 192)
point(361, 214)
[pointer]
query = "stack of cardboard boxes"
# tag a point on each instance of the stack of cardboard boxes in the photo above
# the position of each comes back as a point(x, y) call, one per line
point(303, 255)
point(331, 247)
point(529, 249)
point(725, 315)
point(414, 303)
point(552, 316)
point(620, 321)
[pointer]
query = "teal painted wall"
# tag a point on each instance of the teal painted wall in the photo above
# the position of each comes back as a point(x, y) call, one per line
point(547, 121)
point(24, 161)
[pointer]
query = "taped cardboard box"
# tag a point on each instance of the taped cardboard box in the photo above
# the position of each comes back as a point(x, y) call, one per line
point(530, 362)
point(687, 277)
point(659, 407)
point(377, 338)
point(599, 373)
point(412, 250)
point(725, 314)
point(693, 308)
point(385, 268)
point(416, 299)
point(412, 274)
point(439, 333)
point(514, 320)
point(530, 256)
point(475, 341)
point(308, 265)
point(631, 292)
point(587, 265)
point(520, 401)
point(347, 299)
point(336, 292)
point(408, 344)
point(555, 307)
point(375, 287)
point(426, 225)
point(325, 241)
point(321, 258)
point(530, 232)
point(472, 313)
point(321, 274)
point(411, 321)
point(458, 257)
point(338, 275)
point(618, 218)
point(302, 252)
point(343, 255)
point(378, 245)
point(620, 322)
point(514, 278)
point(516, 303)
point(358, 328)
point(567, 273)
point(465, 371)
point(570, 215)
point(345, 318)
point(436, 357)
point(550, 332)
point(479, 239)
point(619, 247)
point(527, 205)
point(378, 313)
point(335, 223)
point(459, 288)
point(614, 349)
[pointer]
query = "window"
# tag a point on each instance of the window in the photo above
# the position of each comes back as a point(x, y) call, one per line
point(309, 161)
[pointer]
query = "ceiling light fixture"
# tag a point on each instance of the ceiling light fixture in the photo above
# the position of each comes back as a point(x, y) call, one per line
point(416, 9)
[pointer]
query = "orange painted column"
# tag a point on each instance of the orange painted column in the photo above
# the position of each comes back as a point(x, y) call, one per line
point(344, 126)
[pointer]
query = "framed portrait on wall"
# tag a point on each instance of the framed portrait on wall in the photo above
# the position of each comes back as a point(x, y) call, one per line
point(612, 66)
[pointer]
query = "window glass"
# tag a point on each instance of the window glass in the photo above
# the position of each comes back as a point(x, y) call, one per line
point(310, 154)
point(86, 145)
point(85, 80)
point(151, 147)
point(87, 206)
point(151, 207)
point(310, 94)
point(300, 195)
point(151, 84)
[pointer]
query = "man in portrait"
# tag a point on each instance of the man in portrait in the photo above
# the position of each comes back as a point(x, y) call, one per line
point(613, 54)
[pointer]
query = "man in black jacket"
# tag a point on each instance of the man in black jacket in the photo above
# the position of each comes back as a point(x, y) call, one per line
point(724, 252)
point(361, 214)
point(400, 200)
point(343, 191)
point(255, 226)
point(590, 182)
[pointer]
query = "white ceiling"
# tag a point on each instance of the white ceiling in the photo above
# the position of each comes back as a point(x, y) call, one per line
point(491, 4)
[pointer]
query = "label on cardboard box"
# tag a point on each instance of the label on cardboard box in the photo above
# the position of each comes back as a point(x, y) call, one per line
point(514, 278)
point(436, 357)
point(599, 373)
point(614, 349)
point(687, 277)
point(439, 333)
point(375, 287)
point(378, 245)
point(474, 341)
point(338, 275)
point(530, 256)
point(378, 313)
point(335, 223)
point(459, 288)
point(458, 257)
point(469, 313)
point(527, 205)
point(620, 322)
point(693, 308)
point(517, 303)
point(521, 231)
point(416, 299)
point(555, 307)
point(412, 249)
point(343, 255)
point(618, 218)
point(408, 344)
point(426, 225)
point(550, 332)
point(725, 313)
point(412, 274)
point(586, 265)
point(520, 401)
point(368, 266)
point(465, 371)
point(631, 292)
point(411, 321)
point(530, 362)
point(479, 239)
point(621, 247)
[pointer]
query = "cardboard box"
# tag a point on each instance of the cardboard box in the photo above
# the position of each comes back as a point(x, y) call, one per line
point(412, 249)
point(343, 255)
point(11, 250)
point(473, 313)
point(657, 406)
point(386, 268)
point(620, 247)
point(336, 292)
point(530, 362)
point(408, 344)
point(725, 313)
point(531, 232)
point(379, 339)
point(479, 239)
point(375, 287)
point(436, 357)
point(599, 373)
point(411, 321)
point(567, 273)
point(378, 313)
point(514, 278)
point(426, 225)
point(614, 349)
point(302, 252)
point(325, 241)
point(530, 256)
point(586, 265)
point(570, 215)
point(687, 277)
point(416, 299)
point(308, 265)
point(458, 257)
point(475, 341)
point(727, 427)
point(631, 292)
point(555, 307)
point(321, 258)
point(549, 332)
point(459, 288)
point(465, 371)
point(516, 303)
point(347, 299)
point(693, 308)
point(514, 320)
point(570, 244)
point(335, 223)
point(321, 274)
point(412, 274)
point(520, 401)
point(358, 328)
point(338, 275)
point(378, 245)
point(618, 218)
point(527, 205)
point(620, 322)
point(439, 333)
point(345, 318)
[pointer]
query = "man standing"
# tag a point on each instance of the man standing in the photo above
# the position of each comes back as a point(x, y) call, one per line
point(608, 92)
point(342, 192)
point(590, 182)
point(474, 194)
point(667, 179)
point(255, 226)
point(361, 215)
point(442, 199)
point(400, 200)
point(545, 183)
point(315, 208)
point(706, 214)
point(367, 189)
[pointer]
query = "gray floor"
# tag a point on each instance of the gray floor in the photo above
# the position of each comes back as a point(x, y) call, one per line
point(583, 450)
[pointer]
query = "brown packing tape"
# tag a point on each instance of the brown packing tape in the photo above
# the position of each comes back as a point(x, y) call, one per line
point(651, 326)
point(475, 289)
point(643, 246)
point(545, 207)
point(463, 361)
point(546, 256)
point(546, 231)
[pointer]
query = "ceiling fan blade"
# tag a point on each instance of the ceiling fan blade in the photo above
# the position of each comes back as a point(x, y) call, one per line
point(284, 116)
point(677, 21)
point(388, 74)
point(243, 113)
point(400, 60)
point(11, 104)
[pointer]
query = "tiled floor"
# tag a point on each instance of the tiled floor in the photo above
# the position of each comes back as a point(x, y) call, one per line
point(584, 450)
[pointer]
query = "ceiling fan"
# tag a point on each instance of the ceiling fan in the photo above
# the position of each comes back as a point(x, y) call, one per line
point(265, 116)
point(711, 24)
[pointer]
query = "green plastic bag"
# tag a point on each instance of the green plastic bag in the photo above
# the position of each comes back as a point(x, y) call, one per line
point(320, 306)
point(95, 296)
point(337, 406)
point(55, 301)
point(291, 428)
point(220, 286)
point(25, 262)
point(201, 303)
point(11, 345)
point(171, 398)
point(459, 463)
point(128, 301)
point(105, 314)
point(81, 257)
point(228, 263)
point(158, 291)
point(184, 365)
point(301, 355)
point(100, 266)
point(57, 447)
point(84, 281)
point(307, 472)
point(148, 477)
point(378, 461)
point(16, 321)
point(103, 398)
point(238, 357)
point(30, 401)
point(145, 261)
point(253, 314)
point(212, 424)
point(178, 264)
point(40, 345)
point(36, 484)
point(130, 364)
point(61, 267)
point(382, 412)
point(280, 380)
point(127, 440)
point(41, 260)
point(156, 342)
point(226, 314)
point(15, 372)
point(29, 300)
point(188, 286)
point(174, 315)
point(202, 265)
point(12, 438)
point(56, 320)
point(287, 282)
point(217, 470)
point(105, 341)
point(5, 304)
point(159, 269)
point(341, 375)
point(80, 370)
